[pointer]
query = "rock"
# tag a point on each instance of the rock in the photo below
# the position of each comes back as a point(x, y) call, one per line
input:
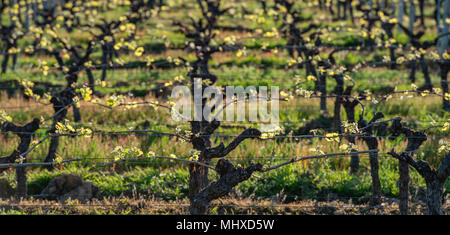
point(70, 187)
point(84, 192)
point(5, 189)
point(61, 185)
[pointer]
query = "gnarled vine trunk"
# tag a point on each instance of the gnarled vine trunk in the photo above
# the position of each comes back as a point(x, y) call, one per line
point(25, 134)
point(415, 139)
point(230, 176)
point(372, 144)
point(434, 197)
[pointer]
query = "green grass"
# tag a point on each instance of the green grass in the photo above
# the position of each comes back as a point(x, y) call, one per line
point(296, 182)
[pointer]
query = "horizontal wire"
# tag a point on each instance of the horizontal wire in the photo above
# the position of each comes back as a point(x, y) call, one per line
point(142, 132)
point(79, 161)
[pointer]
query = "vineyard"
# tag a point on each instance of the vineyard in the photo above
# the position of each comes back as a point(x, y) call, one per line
point(359, 123)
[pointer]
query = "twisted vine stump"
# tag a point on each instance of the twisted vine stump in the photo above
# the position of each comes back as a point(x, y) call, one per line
point(372, 144)
point(415, 139)
point(338, 90)
point(325, 65)
point(309, 64)
point(422, 13)
point(78, 61)
point(25, 133)
point(349, 107)
point(200, 191)
point(201, 33)
point(198, 178)
point(295, 36)
point(434, 178)
point(418, 44)
point(444, 68)
point(63, 100)
point(199, 183)
point(388, 29)
point(344, 6)
point(230, 176)
point(371, 19)
point(108, 51)
point(9, 37)
point(61, 103)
